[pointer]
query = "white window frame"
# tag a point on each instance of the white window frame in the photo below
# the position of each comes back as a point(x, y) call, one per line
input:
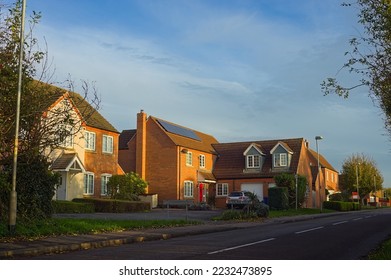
point(202, 161)
point(280, 160)
point(188, 189)
point(222, 189)
point(189, 159)
point(67, 142)
point(253, 161)
point(104, 179)
point(89, 183)
point(107, 144)
point(90, 140)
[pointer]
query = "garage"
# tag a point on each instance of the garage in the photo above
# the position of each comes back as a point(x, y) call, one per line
point(254, 188)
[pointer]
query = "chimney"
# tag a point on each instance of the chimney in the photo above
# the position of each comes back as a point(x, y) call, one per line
point(141, 143)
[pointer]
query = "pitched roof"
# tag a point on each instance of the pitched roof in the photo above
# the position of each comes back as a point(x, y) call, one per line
point(125, 137)
point(197, 140)
point(231, 162)
point(89, 114)
point(68, 162)
point(322, 160)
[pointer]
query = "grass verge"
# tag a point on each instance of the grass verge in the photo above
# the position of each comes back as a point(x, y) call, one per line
point(61, 226)
point(383, 252)
point(294, 212)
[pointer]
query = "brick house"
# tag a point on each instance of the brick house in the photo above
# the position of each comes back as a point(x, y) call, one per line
point(87, 159)
point(176, 161)
point(180, 163)
point(251, 166)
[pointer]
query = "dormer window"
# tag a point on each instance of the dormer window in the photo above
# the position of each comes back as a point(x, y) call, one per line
point(280, 160)
point(254, 157)
point(282, 155)
point(253, 161)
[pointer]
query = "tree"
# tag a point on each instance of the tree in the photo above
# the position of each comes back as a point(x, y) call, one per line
point(287, 180)
point(370, 57)
point(126, 187)
point(42, 128)
point(362, 168)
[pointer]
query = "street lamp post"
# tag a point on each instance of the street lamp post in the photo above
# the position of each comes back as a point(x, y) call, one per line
point(358, 195)
point(319, 170)
point(13, 194)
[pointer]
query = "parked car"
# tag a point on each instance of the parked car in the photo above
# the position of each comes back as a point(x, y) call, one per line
point(238, 199)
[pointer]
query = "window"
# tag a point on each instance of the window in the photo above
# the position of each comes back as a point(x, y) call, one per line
point(222, 189)
point(107, 145)
point(202, 161)
point(188, 189)
point(280, 160)
point(103, 183)
point(90, 140)
point(66, 138)
point(89, 183)
point(253, 161)
point(189, 159)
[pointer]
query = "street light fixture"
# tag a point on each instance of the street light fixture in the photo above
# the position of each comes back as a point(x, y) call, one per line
point(319, 170)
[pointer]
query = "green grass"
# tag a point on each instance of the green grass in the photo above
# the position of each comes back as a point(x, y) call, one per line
point(294, 212)
point(383, 252)
point(61, 226)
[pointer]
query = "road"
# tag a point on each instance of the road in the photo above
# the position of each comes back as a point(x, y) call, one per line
point(348, 236)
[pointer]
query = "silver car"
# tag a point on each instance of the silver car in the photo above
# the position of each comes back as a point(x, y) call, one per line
point(238, 199)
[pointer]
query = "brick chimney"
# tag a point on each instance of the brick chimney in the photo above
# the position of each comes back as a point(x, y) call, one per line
point(141, 143)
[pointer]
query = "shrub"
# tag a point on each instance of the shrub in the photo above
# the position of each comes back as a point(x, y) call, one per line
point(35, 187)
point(256, 208)
point(62, 206)
point(115, 206)
point(341, 206)
point(288, 180)
point(278, 198)
point(126, 187)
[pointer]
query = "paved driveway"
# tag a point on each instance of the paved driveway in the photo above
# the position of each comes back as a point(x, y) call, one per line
point(154, 214)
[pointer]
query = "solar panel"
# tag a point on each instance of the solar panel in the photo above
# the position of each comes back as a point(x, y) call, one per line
point(182, 131)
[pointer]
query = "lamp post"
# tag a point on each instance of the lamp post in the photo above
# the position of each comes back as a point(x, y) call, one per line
point(319, 170)
point(358, 195)
point(13, 194)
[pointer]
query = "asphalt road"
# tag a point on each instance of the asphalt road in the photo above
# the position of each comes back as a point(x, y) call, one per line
point(348, 236)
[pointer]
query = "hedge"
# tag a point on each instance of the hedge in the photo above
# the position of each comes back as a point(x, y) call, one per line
point(115, 206)
point(278, 198)
point(341, 206)
point(62, 206)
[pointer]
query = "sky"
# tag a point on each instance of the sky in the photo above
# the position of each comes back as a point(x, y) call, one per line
point(240, 70)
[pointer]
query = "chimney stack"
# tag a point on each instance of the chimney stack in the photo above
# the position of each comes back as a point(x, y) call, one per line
point(141, 144)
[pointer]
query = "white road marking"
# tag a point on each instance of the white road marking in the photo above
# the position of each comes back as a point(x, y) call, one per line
point(356, 219)
point(307, 230)
point(240, 246)
point(338, 223)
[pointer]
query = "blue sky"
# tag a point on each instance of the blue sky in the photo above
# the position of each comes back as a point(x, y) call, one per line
point(239, 70)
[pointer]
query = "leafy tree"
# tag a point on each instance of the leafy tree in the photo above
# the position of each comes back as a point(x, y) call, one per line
point(42, 128)
point(287, 180)
point(370, 57)
point(126, 187)
point(365, 170)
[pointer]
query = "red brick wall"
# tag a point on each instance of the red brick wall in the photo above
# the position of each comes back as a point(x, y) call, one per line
point(98, 162)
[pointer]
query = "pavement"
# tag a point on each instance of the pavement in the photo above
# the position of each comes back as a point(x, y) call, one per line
point(66, 243)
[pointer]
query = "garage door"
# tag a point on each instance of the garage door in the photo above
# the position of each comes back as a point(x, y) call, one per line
point(254, 188)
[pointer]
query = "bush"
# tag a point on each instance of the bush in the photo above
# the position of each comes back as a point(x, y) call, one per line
point(126, 187)
point(115, 206)
point(256, 208)
point(278, 198)
point(35, 187)
point(341, 206)
point(62, 206)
